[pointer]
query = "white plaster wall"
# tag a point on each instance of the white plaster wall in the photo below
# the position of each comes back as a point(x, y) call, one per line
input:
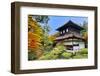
point(81, 45)
point(67, 43)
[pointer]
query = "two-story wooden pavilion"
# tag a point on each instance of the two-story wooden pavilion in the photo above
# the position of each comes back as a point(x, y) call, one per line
point(70, 35)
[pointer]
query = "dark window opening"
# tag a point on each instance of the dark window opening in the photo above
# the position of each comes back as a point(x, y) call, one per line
point(70, 47)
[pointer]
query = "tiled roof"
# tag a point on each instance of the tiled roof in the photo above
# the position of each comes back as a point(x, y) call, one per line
point(70, 24)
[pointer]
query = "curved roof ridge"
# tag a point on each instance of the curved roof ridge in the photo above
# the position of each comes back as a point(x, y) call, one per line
point(70, 24)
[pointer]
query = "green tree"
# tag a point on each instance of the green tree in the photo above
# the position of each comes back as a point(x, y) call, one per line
point(43, 20)
point(85, 33)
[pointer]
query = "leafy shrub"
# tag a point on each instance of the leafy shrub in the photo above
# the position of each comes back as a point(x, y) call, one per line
point(83, 51)
point(59, 53)
point(77, 57)
point(57, 50)
point(48, 57)
point(31, 56)
point(66, 55)
point(85, 55)
point(80, 56)
point(53, 54)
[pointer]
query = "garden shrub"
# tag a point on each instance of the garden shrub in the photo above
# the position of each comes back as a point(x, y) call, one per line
point(77, 57)
point(53, 54)
point(66, 55)
point(31, 56)
point(49, 57)
point(57, 50)
point(80, 56)
point(83, 51)
point(85, 55)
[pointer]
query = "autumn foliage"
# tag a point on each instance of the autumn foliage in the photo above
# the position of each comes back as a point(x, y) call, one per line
point(33, 40)
point(34, 36)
